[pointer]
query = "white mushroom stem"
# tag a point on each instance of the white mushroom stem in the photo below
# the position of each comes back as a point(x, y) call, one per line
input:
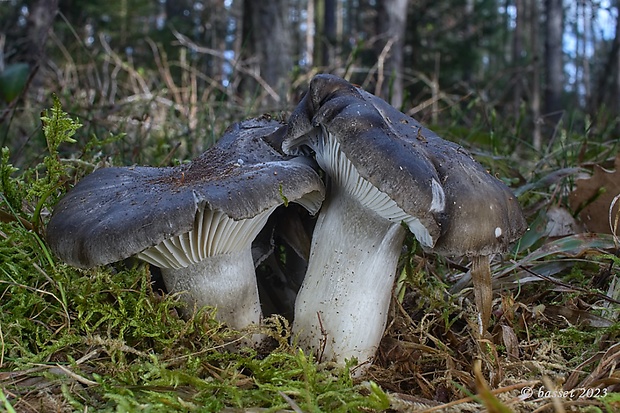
point(212, 265)
point(225, 281)
point(342, 307)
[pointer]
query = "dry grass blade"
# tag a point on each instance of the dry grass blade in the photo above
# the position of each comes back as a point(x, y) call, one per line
point(555, 401)
point(601, 374)
point(469, 399)
point(185, 41)
point(7, 217)
point(291, 402)
point(2, 348)
point(565, 285)
point(15, 377)
point(76, 377)
point(485, 394)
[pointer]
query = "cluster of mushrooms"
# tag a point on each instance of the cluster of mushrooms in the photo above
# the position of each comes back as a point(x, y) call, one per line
point(382, 172)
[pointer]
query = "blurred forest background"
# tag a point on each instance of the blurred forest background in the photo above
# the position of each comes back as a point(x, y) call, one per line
point(171, 74)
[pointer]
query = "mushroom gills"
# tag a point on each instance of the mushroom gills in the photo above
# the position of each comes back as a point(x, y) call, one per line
point(212, 265)
point(341, 170)
point(215, 233)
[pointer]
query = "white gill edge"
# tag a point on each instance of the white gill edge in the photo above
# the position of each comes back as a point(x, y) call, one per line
point(438, 204)
point(214, 233)
point(312, 200)
point(336, 164)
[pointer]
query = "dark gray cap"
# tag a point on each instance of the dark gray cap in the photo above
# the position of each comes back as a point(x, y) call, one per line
point(115, 213)
point(463, 208)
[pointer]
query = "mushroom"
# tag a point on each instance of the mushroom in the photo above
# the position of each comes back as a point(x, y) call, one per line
point(196, 221)
point(383, 169)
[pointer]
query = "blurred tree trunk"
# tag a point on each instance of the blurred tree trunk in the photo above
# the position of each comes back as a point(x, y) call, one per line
point(40, 18)
point(535, 93)
point(616, 96)
point(319, 29)
point(310, 31)
point(610, 75)
point(582, 49)
point(330, 33)
point(469, 40)
point(267, 34)
point(517, 59)
point(326, 34)
point(553, 61)
point(391, 26)
point(214, 19)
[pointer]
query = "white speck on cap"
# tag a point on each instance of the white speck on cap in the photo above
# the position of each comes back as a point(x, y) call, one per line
point(498, 232)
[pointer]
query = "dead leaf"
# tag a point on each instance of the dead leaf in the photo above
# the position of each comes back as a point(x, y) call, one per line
point(511, 342)
point(561, 223)
point(577, 317)
point(593, 196)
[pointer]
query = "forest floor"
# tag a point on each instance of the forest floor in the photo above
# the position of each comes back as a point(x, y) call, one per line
point(103, 340)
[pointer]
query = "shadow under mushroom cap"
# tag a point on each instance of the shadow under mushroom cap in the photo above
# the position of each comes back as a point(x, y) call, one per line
point(115, 213)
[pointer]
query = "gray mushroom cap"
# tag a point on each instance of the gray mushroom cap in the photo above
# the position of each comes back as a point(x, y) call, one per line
point(465, 210)
point(117, 212)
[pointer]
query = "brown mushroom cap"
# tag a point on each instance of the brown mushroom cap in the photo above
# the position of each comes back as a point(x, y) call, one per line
point(115, 213)
point(465, 210)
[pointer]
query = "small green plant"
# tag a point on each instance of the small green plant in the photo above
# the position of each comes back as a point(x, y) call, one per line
point(58, 128)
